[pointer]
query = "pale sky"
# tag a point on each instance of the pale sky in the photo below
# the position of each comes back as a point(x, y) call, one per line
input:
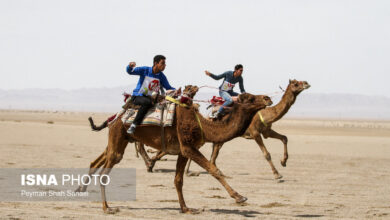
point(337, 46)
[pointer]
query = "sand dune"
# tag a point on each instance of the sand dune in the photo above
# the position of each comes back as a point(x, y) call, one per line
point(336, 169)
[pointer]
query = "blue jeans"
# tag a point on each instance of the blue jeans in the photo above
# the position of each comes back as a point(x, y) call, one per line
point(227, 96)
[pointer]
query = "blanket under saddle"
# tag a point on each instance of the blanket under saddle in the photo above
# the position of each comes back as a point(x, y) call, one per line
point(153, 117)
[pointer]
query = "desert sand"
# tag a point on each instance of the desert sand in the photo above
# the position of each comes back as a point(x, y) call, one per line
point(336, 169)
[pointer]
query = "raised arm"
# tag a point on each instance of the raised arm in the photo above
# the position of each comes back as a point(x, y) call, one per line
point(216, 77)
point(132, 70)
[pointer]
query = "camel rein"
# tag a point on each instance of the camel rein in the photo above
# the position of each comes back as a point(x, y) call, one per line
point(212, 87)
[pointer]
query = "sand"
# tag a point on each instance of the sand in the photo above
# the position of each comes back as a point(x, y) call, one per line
point(336, 169)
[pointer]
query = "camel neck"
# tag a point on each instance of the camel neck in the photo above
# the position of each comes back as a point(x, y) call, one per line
point(282, 107)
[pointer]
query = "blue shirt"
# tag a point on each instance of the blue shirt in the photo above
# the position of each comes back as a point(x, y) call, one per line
point(229, 77)
point(144, 71)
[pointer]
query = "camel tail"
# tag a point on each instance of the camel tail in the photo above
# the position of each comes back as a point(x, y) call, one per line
point(97, 128)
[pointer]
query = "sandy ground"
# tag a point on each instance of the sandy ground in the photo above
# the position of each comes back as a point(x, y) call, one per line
point(336, 169)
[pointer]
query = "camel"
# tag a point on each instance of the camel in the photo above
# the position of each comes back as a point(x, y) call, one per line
point(262, 124)
point(189, 131)
point(258, 126)
point(140, 147)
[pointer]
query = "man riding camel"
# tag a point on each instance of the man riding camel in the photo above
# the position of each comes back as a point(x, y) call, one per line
point(226, 88)
point(151, 80)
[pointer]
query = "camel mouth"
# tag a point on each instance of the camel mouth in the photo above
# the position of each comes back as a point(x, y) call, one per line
point(306, 85)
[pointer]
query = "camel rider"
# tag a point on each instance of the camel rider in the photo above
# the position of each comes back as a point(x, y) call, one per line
point(226, 88)
point(150, 80)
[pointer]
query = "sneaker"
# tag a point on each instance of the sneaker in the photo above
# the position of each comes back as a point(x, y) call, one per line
point(131, 130)
point(215, 115)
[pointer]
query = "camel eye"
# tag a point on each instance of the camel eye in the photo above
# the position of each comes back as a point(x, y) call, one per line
point(296, 84)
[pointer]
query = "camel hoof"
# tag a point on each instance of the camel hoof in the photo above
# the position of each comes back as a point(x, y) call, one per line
point(111, 211)
point(241, 199)
point(192, 211)
point(278, 176)
point(150, 169)
point(283, 162)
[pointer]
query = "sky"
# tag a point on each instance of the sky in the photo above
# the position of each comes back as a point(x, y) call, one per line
point(338, 46)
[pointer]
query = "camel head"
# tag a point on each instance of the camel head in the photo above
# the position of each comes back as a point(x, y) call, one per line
point(188, 94)
point(251, 102)
point(190, 91)
point(297, 86)
point(265, 99)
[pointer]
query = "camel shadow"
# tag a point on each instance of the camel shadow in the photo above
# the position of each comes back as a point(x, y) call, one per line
point(164, 171)
point(129, 208)
point(278, 180)
point(308, 216)
point(245, 213)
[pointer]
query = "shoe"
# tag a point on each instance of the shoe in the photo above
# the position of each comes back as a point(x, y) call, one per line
point(131, 130)
point(215, 115)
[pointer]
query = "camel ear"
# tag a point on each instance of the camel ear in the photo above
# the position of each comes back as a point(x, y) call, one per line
point(195, 89)
point(289, 81)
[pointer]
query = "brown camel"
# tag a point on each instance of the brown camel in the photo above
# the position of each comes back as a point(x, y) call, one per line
point(262, 123)
point(140, 147)
point(189, 131)
point(269, 115)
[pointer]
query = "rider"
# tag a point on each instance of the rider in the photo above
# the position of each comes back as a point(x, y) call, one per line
point(150, 81)
point(226, 88)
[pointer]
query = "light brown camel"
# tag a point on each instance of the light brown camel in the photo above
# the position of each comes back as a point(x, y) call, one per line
point(262, 123)
point(258, 126)
point(189, 131)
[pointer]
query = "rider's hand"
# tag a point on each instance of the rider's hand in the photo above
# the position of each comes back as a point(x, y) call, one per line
point(207, 73)
point(132, 64)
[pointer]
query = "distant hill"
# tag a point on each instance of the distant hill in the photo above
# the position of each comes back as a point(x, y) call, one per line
point(311, 105)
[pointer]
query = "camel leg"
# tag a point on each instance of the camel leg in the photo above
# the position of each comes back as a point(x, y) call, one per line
point(136, 149)
point(273, 134)
point(180, 166)
point(95, 165)
point(267, 155)
point(112, 159)
point(158, 156)
point(188, 168)
point(188, 173)
point(198, 157)
point(105, 171)
point(115, 150)
point(144, 155)
point(214, 155)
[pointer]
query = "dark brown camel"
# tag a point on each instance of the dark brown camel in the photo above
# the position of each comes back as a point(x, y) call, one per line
point(188, 133)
